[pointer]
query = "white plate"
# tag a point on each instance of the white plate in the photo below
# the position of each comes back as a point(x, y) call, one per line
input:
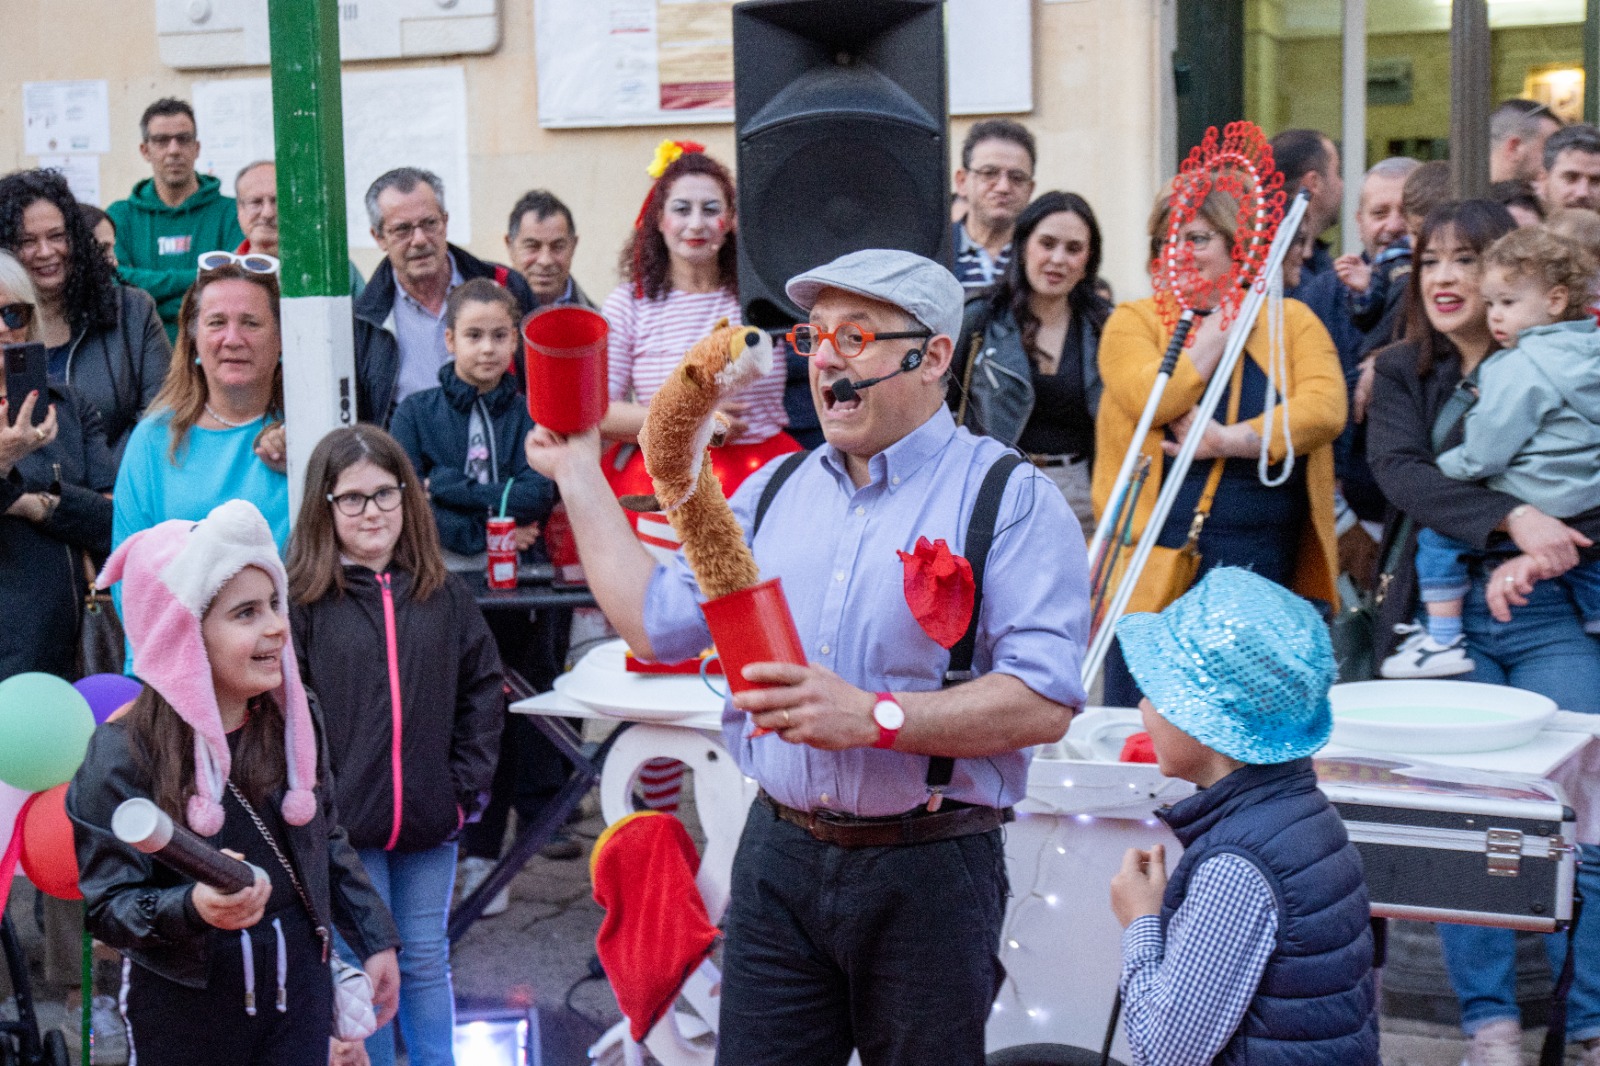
point(600, 680)
point(1100, 732)
point(1436, 717)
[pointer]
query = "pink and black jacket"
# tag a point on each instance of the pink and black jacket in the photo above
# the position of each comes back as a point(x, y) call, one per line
point(412, 702)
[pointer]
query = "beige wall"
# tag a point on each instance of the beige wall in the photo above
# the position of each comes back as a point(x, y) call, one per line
point(1096, 84)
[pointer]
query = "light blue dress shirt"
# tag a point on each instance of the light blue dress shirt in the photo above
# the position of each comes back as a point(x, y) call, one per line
point(419, 335)
point(834, 548)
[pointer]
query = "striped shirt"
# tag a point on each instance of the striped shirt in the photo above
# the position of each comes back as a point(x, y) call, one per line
point(1185, 995)
point(649, 338)
point(975, 268)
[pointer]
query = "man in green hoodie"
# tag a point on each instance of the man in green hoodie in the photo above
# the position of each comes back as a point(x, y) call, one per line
point(172, 217)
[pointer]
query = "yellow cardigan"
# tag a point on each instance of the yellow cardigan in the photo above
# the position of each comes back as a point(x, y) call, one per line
point(1130, 355)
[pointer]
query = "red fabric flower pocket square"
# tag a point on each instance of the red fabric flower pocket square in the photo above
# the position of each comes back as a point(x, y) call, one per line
point(939, 590)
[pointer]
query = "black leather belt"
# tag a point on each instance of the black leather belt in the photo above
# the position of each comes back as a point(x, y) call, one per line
point(913, 827)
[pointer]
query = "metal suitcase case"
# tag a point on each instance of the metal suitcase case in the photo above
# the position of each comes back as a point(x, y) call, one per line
point(1443, 844)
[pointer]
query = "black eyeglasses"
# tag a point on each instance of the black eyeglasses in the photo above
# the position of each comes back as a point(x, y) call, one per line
point(17, 315)
point(354, 504)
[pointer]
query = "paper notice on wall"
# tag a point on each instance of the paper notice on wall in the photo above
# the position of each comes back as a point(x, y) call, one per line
point(234, 120)
point(65, 116)
point(634, 62)
point(409, 117)
point(694, 55)
point(990, 45)
point(82, 173)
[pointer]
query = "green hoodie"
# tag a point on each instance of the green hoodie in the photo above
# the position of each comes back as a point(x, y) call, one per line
point(157, 245)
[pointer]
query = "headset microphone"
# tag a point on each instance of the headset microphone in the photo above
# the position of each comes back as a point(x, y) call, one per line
point(845, 390)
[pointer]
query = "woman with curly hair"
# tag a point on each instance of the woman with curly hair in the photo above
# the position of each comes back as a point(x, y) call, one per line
point(104, 338)
point(680, 280)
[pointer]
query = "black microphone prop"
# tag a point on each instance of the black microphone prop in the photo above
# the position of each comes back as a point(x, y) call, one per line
point(149, 829)
point(845, 390)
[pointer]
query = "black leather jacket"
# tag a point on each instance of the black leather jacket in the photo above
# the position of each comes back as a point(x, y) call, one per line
point(143, 909)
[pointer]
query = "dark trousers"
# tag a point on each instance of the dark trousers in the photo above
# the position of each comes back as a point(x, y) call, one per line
point(530, 771)
point(892, 951)
point(174, 1025)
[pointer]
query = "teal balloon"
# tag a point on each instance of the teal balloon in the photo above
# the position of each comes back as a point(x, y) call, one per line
point(44, 731)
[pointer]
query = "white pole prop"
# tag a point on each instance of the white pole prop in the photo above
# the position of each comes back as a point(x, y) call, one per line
point(1172, 482)
point(319, 379)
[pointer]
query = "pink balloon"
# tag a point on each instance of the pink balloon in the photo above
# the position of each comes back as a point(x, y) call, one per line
point(106, 693)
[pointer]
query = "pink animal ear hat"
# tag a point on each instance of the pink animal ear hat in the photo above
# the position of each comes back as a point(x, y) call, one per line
point(170, 573)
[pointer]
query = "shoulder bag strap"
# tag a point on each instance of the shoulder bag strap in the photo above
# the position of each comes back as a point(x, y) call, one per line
point(288, 867)
point(769, 491)
point(980, 537)
point(1208, 496)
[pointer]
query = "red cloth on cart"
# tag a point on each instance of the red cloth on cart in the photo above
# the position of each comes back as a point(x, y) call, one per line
point(732, 463)
point(656, 931)
point(1138, 748)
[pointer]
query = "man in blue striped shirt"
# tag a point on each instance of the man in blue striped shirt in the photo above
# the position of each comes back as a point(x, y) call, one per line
point(867, 901)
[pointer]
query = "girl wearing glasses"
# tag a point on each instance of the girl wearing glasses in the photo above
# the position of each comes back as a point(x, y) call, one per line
point(53, 507)
point(102, 337)
point(408, 675)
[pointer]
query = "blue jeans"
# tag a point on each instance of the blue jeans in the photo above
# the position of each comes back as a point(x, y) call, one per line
point(416, 886)
point(1442, 576)
point(1542, 649)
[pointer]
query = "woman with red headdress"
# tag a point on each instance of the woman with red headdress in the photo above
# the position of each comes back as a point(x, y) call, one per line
point(680, 280)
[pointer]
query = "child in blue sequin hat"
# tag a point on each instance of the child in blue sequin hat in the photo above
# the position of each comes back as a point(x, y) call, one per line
point(1258, 948)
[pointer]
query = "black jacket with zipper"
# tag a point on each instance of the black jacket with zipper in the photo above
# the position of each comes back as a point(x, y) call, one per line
point(42, 578)
point(432, 427)
point(146, 910)
point(121, 370)
point(377, 347)
point(451, 705)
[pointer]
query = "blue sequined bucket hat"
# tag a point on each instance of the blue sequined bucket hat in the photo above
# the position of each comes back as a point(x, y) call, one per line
point(1240, 663)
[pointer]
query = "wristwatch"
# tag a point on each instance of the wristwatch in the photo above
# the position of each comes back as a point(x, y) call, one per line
point(889, 716)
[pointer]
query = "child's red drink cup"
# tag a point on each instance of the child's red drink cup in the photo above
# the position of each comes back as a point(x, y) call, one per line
point(502, 545)
point(753, 625)
point(563, 548)
point(566, 368)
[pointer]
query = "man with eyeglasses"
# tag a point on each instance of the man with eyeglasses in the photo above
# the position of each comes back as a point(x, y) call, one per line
point(1517, 131)
point(399, 318)
point(869, 885)
point(996, 180)
point(172, 216)
point(255, 190)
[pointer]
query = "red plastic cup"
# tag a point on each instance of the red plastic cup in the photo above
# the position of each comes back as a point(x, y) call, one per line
point(753, 625)
point(567, 389)
point(502, 545)
point(563, 548)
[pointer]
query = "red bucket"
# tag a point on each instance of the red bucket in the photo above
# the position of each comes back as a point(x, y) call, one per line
point(566, 368)
point(753, 625)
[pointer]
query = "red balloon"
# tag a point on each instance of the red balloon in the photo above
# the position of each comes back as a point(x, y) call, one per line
point(48, 857)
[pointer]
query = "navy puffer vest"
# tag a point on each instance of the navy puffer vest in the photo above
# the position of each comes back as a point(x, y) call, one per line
point(1315, 1004)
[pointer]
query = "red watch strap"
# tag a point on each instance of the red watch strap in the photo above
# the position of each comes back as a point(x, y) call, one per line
point(885, 736)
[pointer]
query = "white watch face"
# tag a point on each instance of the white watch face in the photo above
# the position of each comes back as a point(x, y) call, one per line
point(888, 714)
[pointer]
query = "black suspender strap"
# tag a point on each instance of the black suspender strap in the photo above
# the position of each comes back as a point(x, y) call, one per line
point(980, 536)
point(769, 492)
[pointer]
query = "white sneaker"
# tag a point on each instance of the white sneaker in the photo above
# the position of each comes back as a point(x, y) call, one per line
point(1498, 1043)
point(474, 872)
point(1422, 656)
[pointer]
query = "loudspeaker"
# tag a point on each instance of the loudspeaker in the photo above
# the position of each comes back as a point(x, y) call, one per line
point(843, 129)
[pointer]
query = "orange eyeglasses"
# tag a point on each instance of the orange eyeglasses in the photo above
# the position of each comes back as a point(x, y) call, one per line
point(848, 338)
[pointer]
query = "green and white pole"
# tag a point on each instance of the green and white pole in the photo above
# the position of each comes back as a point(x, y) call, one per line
point(308, 123)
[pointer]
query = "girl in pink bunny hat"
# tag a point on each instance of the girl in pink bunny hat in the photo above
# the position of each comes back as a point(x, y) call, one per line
point(222, 738)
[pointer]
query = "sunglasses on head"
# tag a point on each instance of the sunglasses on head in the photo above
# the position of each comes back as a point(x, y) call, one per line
point(253, 262)
point(17, 315)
